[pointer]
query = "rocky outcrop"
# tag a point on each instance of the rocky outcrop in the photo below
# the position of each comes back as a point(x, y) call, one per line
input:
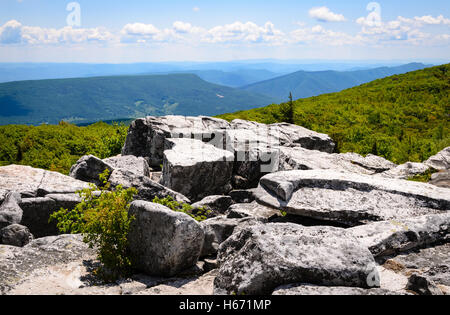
point(207, 169)
point(163, 242)
point(218, 229)
point(10, 211)
point(287, 135)
point(32, 182)
point(406, 171)
point(218, 204)
point(431, 266)
point(130, 163)
point(297, 158)
point(395, 236)
point(39, 258)
point(15, 235)
point(441, 179)
point(146, 136)
point(440, 161)
point(307, 289)
point(252, 210)
point(147, 189)
point(349, 199)
point(88, 169)
point(260, 258)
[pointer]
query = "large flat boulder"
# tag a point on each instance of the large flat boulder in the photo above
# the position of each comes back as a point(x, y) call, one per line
point(251, 210)
point(133, 164)
point(440, 161)
point(285, 134)
point(147, 189)
point(146, 136)
point(196, 169)
point(163, 242)
point(32, 182)
point(350, 199)
point(259, 258)
point(395, 236)
point(297, 158)
point(40, 257)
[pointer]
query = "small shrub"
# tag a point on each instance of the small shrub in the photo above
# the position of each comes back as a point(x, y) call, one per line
point(200, 214)
point(102, 217)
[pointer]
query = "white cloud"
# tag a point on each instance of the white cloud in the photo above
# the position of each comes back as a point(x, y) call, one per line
point(14, 32)
point(248, 32)
point(324, 14)
point(11, 32)
point(407, 30)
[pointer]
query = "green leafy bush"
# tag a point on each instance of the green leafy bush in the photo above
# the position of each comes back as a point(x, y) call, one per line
point(200, 214)
point(102, 217)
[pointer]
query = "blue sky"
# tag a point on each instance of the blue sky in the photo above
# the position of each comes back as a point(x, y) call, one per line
point(208, 30)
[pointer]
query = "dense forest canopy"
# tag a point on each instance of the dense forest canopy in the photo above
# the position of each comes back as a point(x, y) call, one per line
point(402, 118)
point(58, 147)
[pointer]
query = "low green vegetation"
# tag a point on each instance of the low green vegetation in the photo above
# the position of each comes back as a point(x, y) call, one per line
point(200, 214)
point(103, 220)
point(402, 118)
point(58, 147)
point(424, 178)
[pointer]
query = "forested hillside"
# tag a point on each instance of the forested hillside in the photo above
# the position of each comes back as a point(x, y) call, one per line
point(403, 117)
point(58, 147)
point(108, 98)
point(304, 84)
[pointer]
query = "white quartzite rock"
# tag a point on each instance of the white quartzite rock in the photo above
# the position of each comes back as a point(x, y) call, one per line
point(440, 161)
point(32, 182)
point(196, 169)
point(163, 242)
point(391, 237)
point(349, 199)
point(259, 258)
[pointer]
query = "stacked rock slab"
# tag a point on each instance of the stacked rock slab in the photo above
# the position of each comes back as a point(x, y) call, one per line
point(147, 188)
point(39, 194)
point(146, 136)
point(350, 199)
point(196, 169)
point(298, 158)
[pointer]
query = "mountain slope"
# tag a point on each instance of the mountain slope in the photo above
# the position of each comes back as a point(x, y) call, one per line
point(306, 84)
point(107, 98)
point(403, 117)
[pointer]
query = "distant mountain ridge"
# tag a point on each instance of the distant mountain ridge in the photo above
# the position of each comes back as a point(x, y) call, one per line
point(305, 84)
point(118, 97)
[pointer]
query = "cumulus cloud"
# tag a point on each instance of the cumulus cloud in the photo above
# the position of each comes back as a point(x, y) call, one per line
point(14, 32)
point(324, 14)
point(248, 32)
point(11, 32)
point(408, 30)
